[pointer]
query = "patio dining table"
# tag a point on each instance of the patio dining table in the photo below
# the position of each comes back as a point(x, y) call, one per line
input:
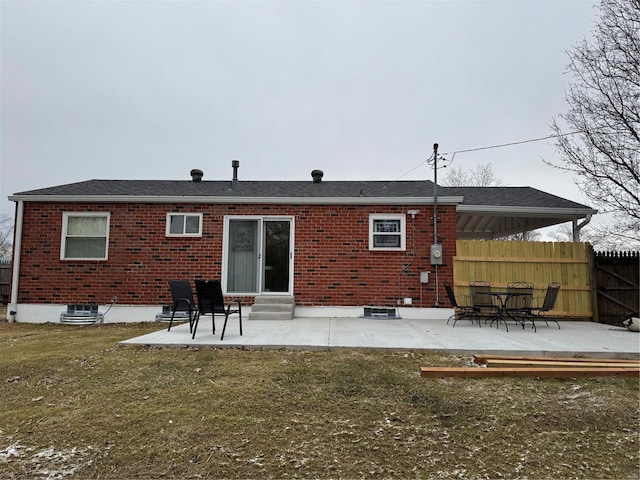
point(502, 313)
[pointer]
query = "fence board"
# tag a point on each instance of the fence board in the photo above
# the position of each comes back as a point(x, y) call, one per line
point(501, 262)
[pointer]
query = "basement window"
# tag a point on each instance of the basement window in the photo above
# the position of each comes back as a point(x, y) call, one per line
point(387, 232)
point(184, 225)
point(85, 236)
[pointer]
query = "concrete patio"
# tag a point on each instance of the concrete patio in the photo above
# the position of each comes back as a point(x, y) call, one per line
point(573, 339)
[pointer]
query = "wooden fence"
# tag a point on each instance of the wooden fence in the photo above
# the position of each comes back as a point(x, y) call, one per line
point(501, 262)
point(5, 281)
point(617, 290)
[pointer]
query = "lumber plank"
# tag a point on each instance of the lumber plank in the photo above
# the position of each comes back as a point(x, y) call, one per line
point(493, 363)
point(569, 372)
point(482, 358)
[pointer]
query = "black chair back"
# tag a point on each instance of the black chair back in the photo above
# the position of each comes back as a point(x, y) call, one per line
point(450, 294)
point(481, 294)
point(520, 302)
point(182, 295)
point(210, 298)
point(550, 297)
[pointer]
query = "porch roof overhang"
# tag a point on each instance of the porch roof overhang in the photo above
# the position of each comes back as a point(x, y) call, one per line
point(481, 222)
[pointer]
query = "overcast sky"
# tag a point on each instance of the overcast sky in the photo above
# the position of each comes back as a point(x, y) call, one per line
point(361, 90)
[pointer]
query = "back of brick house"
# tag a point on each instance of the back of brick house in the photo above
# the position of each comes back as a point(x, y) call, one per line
point(333, 263)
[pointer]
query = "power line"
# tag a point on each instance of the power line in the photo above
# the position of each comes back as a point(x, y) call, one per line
point(510, 143)
point(408, 172)
point(499, 145)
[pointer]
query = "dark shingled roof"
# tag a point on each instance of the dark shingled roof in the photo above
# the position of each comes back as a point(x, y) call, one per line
point(482, 212)
point(487, 196)
point(244, 188)
point(509, 196)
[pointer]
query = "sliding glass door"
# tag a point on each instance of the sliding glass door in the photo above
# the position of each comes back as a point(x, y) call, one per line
point(277, 248)
point(258, 255)
point(243, 255)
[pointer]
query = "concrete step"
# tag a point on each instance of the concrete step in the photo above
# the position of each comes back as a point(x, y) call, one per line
point(272, 308)
point(271, 299)
point(270, 316)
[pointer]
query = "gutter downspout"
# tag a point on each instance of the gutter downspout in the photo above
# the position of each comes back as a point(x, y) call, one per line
point(17, 248)
point(579, 226)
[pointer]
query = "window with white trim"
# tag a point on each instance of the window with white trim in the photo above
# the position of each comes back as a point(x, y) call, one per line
point(85, 236)
point(387, 232)
point(184, 225)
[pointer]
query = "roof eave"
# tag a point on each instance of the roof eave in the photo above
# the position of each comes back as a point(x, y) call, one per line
point(448, 200)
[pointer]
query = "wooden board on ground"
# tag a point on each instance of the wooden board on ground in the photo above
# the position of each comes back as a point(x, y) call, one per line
point(482, 358)
point(542, 372)
point(493, 363)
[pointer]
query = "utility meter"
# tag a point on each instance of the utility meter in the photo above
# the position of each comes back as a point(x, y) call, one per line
point(436, 254)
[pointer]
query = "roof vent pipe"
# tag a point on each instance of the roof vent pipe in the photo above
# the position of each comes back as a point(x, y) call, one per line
point(235, 164)
point(317, 176)
point(196, 175)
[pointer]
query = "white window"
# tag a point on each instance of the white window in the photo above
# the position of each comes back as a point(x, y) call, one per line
point(184, 224)
point(85, 236)
point(387, 232)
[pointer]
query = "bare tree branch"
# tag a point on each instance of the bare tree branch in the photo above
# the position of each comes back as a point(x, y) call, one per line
point(481, 176)
point(604, 109)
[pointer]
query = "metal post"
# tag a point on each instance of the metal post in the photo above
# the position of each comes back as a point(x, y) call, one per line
point(435, 193)
point(435, 212)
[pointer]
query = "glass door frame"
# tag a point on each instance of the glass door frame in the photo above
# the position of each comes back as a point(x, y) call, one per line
point(260, 219)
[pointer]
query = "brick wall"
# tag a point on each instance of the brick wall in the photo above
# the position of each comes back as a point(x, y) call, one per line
point(332, 267)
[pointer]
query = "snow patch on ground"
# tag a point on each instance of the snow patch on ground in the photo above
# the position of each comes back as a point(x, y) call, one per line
point(50, 463)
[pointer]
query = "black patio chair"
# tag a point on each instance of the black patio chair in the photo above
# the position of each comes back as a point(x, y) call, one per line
point(468, 312)
point(482, 299)
point(211, 302)
point(183, 304)
point(541, 311)
point(518, 301)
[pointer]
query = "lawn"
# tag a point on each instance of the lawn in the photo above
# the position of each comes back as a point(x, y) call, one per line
point(77, 405)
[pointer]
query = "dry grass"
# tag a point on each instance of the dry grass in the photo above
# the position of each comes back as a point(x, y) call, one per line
point(75, 405)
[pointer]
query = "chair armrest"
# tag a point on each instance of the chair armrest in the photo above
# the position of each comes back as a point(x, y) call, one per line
point(183, 300)
point(230, 302)
point(536, 303)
